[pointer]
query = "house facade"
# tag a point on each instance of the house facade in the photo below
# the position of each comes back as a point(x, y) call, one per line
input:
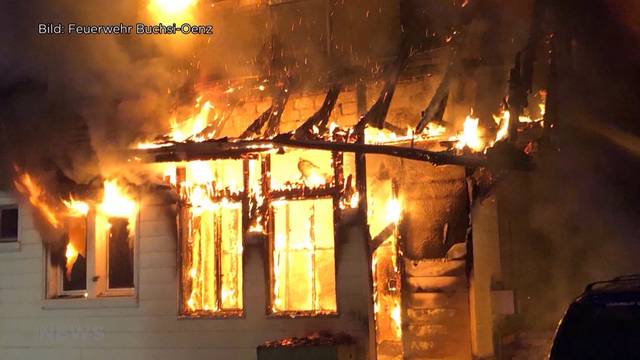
point(236, 245)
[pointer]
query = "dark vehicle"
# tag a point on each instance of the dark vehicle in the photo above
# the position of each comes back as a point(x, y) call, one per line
point(603, 323)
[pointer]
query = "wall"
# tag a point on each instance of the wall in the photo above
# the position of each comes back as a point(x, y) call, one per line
point(148, 328)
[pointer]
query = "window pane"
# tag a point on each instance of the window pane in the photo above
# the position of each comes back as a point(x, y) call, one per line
point(231, 259)
point(303, 256)
point(9, 224)
point(213, 260)
point(75, 267)
point(295, 167)
point(120, 254)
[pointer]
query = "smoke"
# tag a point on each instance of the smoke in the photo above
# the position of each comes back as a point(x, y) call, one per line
point(578, 223)
point(81, 95)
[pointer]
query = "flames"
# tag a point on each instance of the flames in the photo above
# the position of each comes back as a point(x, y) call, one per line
point(171, 10)
point(62, 214)
point(432, 131)
point(470, 135)
point(76, 207)
point(503, 125)
point(36, 195)
point(194, 127)
point(197, 128)
point(386, 210)
point(71, 254)
point(116, 202)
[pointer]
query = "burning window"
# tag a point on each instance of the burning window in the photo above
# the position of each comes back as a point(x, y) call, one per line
point(304, 193)
point(9, 224)
point(115, 235)
point(74, 268)
point(87, 242)
point(211, 233)
point(303, 256)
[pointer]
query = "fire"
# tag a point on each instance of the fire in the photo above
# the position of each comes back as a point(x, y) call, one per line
point(435, 130)
point(72, 255)
point(192, 127)
point(382, 136)
point(115, 202)
point(171, 10)
point(470, 136)
point(503, 123)
point(394, 210)
point(396, 316)
point(355, 200)
point(76, 207)
point(37, 197)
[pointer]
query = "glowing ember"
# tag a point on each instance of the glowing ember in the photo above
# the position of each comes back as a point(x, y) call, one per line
point(435, 130)
point(355, 200)
point(383, 136)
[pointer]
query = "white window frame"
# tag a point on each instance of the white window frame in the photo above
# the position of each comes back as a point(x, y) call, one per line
point(7, 200)
point(8, 207)
point(97, 268)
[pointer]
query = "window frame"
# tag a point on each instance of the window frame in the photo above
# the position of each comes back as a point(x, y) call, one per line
point(10, 206)
point(334, 192)
point(97, 268)
point(182, 215)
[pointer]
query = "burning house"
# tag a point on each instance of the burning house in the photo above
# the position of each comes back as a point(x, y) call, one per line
point(289, 213)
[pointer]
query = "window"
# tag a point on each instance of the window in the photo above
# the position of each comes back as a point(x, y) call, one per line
point(95, 257)
point(303, 256)
point(305, 190)
point(9, 223)
point(288, 199)
point(74, 269)
point(211, 237)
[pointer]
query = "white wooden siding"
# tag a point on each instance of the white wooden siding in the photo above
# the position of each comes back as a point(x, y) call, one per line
point(149, 329)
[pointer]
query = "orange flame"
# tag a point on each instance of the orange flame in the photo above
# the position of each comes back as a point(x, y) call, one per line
point(76, 207)
point(503, 123)
point(470, 136)
point(72, 255)
point(193, 126)
point(37, 197)
point(171, 10)
point(115, 202)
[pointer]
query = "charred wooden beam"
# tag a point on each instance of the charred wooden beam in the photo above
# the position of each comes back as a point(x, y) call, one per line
point(379, 239)
point(521, 75)
point(271, 117)
point(438, 102)
point(321, 118)
point(437, 158)
point(273, 125)
point(377, 114)
point(223, 149)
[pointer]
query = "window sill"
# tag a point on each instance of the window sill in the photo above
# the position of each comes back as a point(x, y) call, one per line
point(97, 303)
point(302, 314)
point(12, 246)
